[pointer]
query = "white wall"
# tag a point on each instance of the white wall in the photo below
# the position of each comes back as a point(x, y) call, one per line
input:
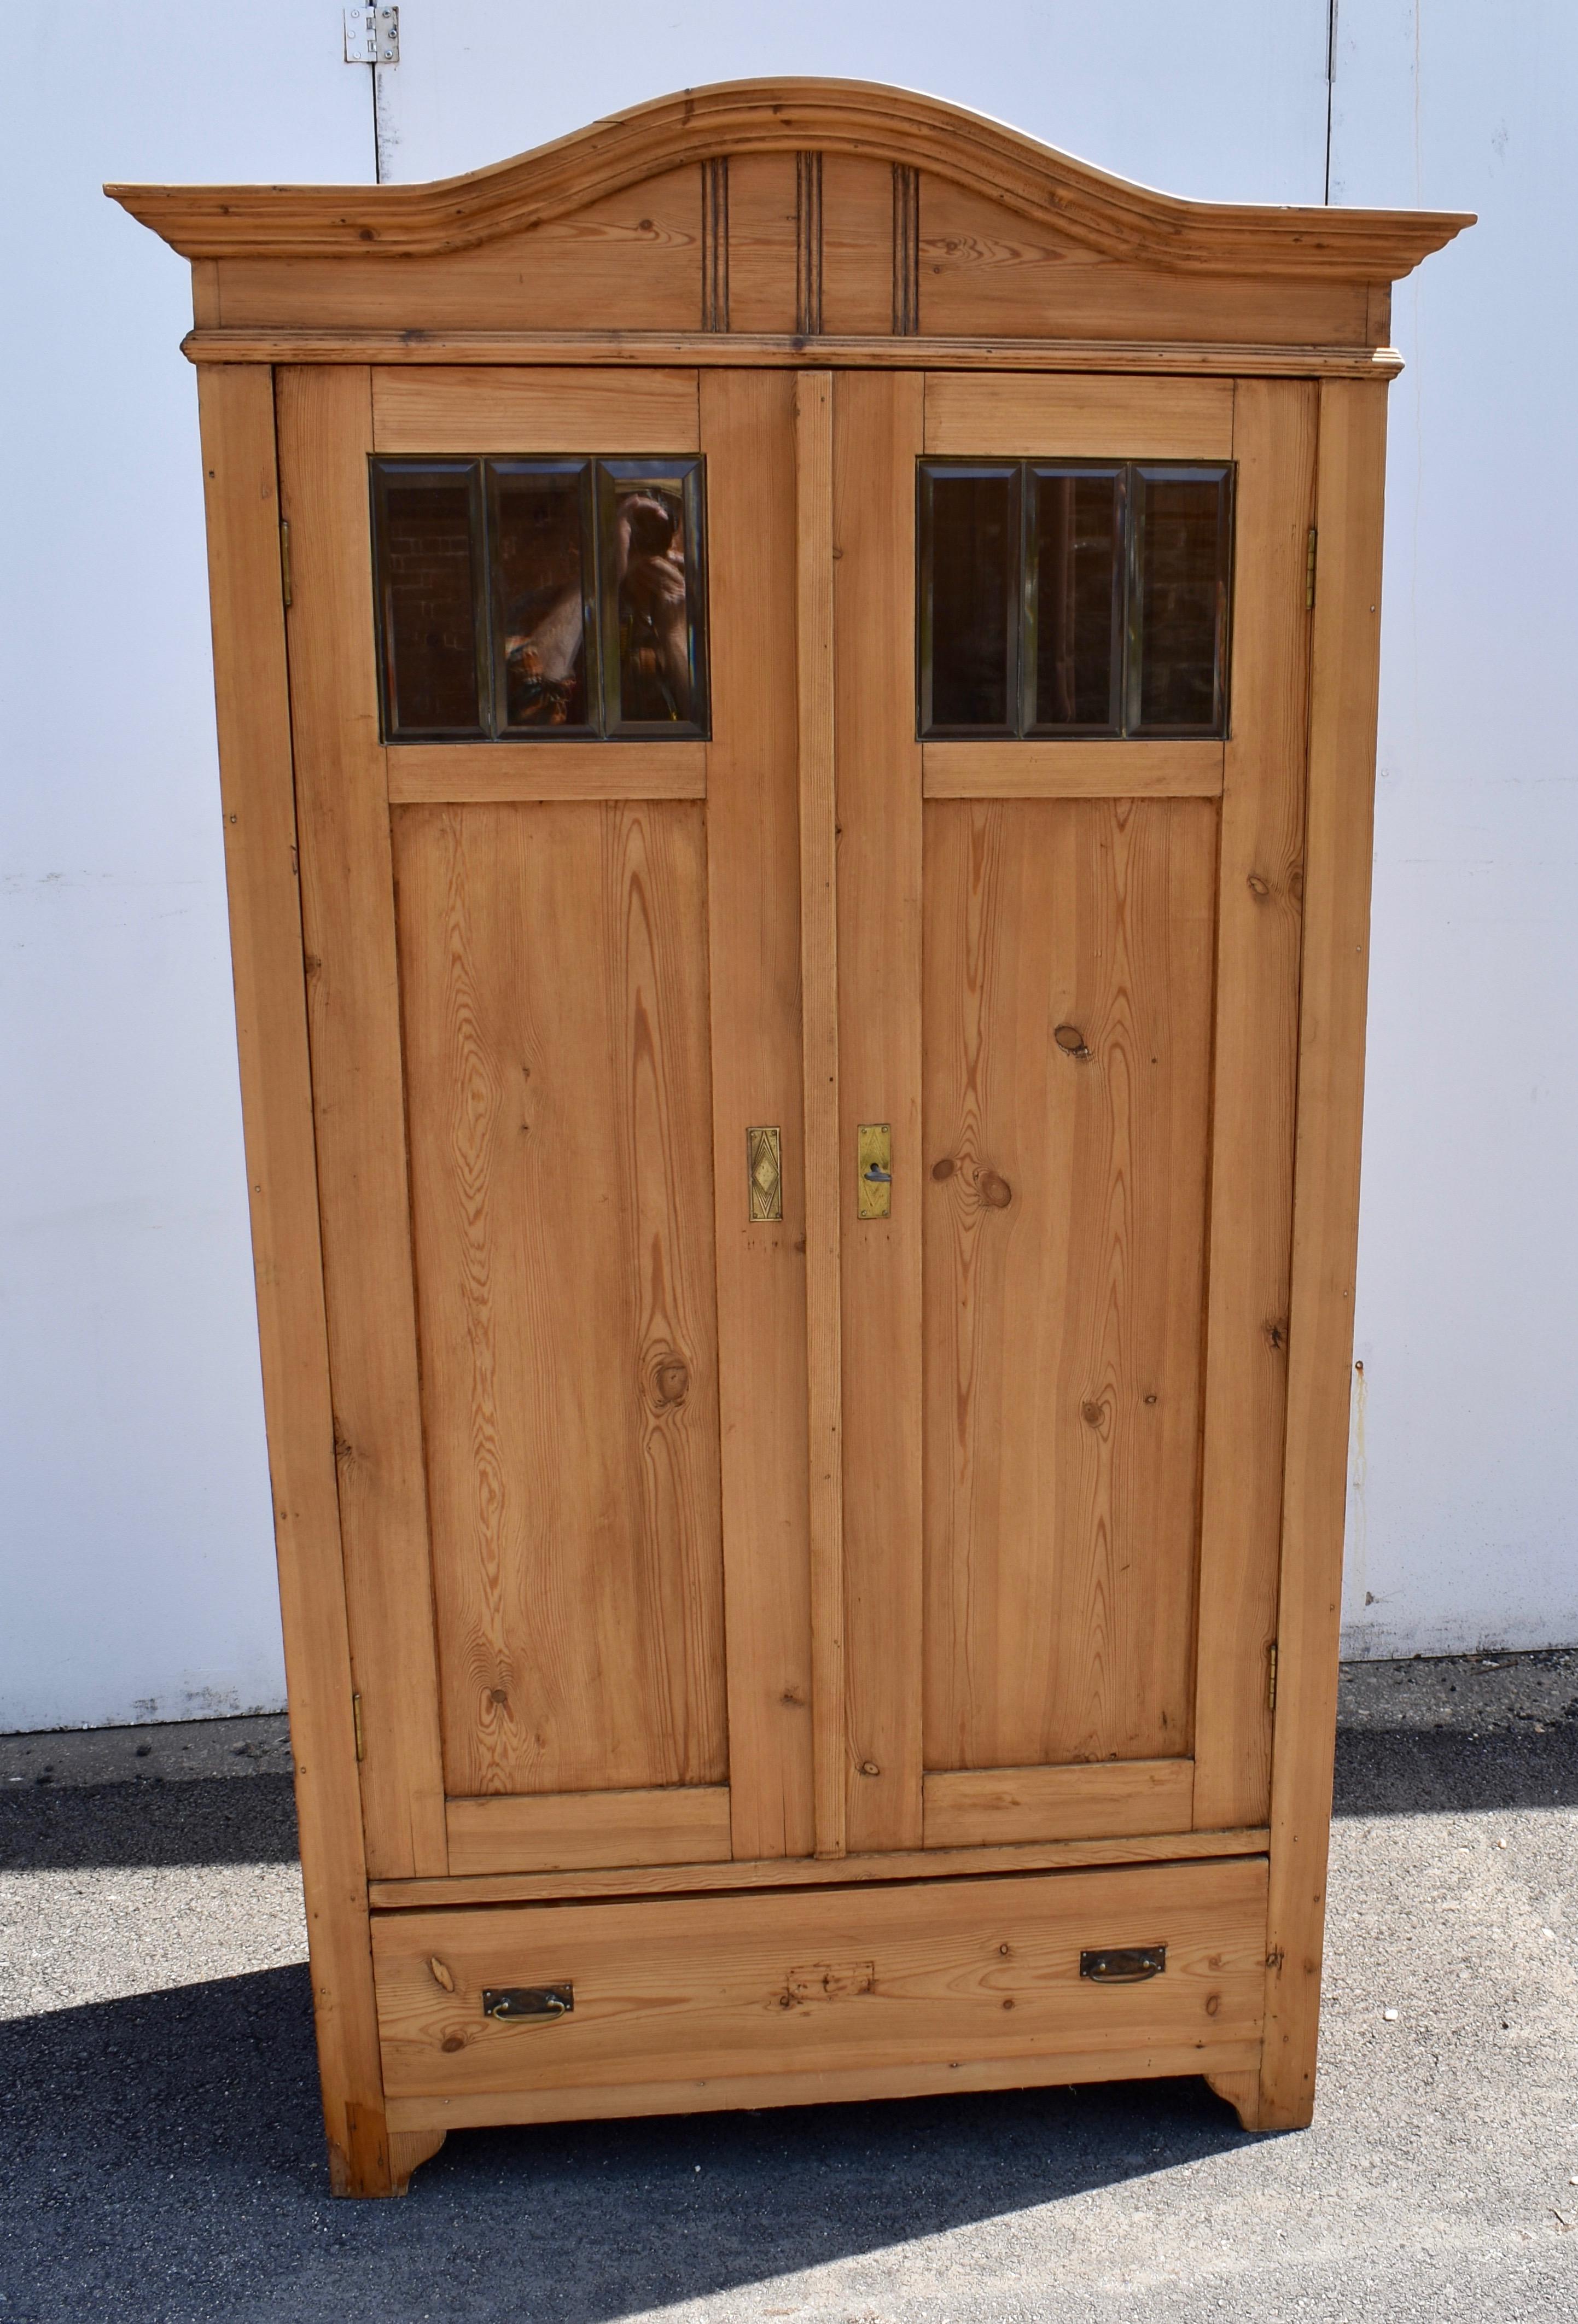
point(138, 1574)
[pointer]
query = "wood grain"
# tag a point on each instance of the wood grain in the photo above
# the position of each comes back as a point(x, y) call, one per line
point(982, 269)
point(754, 935)
point(799, 1872)
point(554, 978)
point(761, 242)
point(752, 350)
point(815, 665)
point(347, 909)
point(454, 774)
point(1005, 1804)
point(253, 707)
point(1325, 1227)
point(1071, 770)
point(1077, 419)
point(547, 410)
point(630, 261)
point(878, 424)
point(1066, 1109)
point(876, 1979)
point(1259, 933)
point(839, 2087)
point(857, 243)
point(562, 1831)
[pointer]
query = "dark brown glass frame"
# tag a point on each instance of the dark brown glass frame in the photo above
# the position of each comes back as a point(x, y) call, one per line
point(1128, 641)
point(601, 474)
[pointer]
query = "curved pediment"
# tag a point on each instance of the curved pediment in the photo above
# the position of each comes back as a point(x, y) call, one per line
point(1104, 216)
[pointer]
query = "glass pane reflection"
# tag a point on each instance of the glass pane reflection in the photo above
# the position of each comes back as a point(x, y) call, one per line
point(427, 532)
point(1076, 598)
point(970, 521)
point(1182, 610)
point(649, 545)
point(540, 563)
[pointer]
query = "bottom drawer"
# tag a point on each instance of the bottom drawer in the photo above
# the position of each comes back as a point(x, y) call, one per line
point(777, 1997)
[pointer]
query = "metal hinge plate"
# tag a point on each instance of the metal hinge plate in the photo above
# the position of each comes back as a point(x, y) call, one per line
point(285, 561)
point(1309, 572)
point(1271, 1676)
point(373, 36)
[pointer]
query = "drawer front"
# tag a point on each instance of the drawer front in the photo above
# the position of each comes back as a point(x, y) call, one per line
point(828, 1982)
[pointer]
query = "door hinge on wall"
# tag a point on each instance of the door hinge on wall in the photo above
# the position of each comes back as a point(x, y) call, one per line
point(373, 36)
point(356, 1723)
point(1309, 572)
point(285, 558)
point(1271, 1676)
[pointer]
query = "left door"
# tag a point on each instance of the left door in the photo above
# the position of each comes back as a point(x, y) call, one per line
point(543, 717)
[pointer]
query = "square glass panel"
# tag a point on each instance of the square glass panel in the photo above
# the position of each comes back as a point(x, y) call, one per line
point(428, 531)
point(1074, 614)
point(1179, 600)
point(540, 529)
point(650, 555)
point(971, 563)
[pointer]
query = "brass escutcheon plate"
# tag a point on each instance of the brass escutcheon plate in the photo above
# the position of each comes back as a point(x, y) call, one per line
point(873, 1164)
point(764, 1176)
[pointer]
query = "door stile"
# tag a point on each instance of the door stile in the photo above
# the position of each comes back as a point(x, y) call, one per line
point(1259, 927)
point(813, 667)
point(325, 425)
point(878, 437)
point(752, 787)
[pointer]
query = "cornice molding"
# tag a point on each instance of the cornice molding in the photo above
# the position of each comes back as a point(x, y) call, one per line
point(1105, 215)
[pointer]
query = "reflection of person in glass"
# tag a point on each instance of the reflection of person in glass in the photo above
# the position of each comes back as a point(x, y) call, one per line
point(654, 645)
point(544, 654)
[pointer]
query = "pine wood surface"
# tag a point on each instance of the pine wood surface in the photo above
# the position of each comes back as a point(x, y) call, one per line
point(252, 702)
point(555, 989)
point(876, 1979)
point(762, 242)
point(455, 774)
point(819, 982)
point(1344, 684)
point(752, 815)
point(1067, 1107)
point(991, 418)
point(1259, 928)
point(857, 259)
point(324, 432)
point(878, 422)
point(500, 1833)
point(557, 409)
point(779, 1872)
point(667, 138)
point(1005, 1804)
point(718, 349)
point(1072, 769)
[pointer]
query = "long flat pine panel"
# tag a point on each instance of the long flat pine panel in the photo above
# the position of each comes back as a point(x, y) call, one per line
point(553, 1831)
point(460, 774)
point(1072, 769)
point(448, 409)
point(1056, 418)
point(1041, 1803)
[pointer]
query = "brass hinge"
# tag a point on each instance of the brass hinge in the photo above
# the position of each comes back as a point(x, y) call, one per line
point(1270, 1676)
point(1309, 572)
point(356, 1723)
point(285, 558)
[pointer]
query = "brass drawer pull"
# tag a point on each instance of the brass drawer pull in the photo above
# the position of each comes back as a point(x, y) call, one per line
point(517, 2001)
point(1123, 1964)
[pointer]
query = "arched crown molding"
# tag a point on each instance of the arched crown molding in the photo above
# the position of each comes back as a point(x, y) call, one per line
point(1105, 215)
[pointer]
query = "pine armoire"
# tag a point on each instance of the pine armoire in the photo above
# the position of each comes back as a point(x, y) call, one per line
point(796, 692)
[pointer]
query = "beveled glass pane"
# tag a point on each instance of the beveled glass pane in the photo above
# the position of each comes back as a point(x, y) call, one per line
point(429, 541)
point(650, 548)
point(544, 619)
point(1076, 599)
point(970, 587)
point(1181, 581)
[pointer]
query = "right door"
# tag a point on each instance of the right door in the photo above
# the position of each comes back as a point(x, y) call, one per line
point(1070, 652)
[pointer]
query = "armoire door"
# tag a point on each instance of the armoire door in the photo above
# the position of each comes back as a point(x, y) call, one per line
point(542, 672)
point(1070, 639)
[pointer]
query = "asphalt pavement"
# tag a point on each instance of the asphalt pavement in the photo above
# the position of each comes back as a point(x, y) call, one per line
point(160, 2151)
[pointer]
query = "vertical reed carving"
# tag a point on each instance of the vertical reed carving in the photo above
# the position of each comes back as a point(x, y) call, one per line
point(807, 245)
point(906, 250)
point(715, 245)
